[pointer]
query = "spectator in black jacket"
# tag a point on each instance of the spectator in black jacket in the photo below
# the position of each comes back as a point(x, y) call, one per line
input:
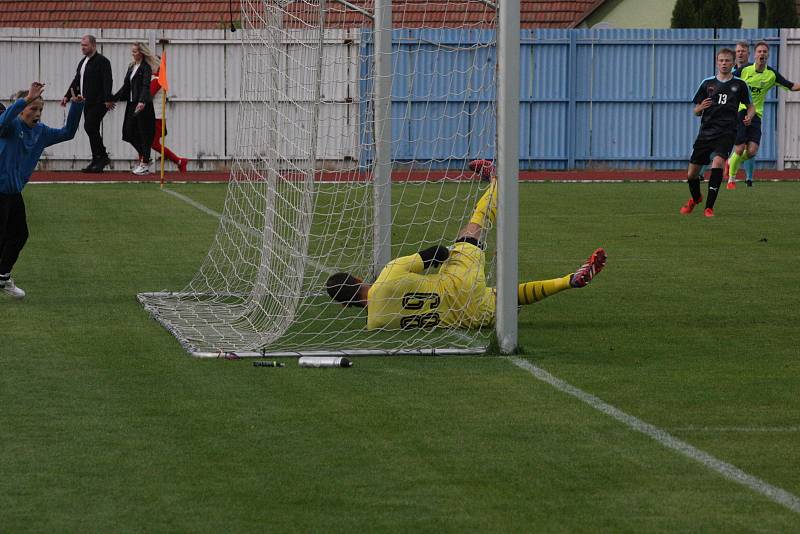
point(93, 81)
point(140, 119)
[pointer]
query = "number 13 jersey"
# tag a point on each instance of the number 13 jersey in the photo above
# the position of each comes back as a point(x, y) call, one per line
point(722, 117)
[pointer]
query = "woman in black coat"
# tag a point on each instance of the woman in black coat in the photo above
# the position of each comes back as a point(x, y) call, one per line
point(140, 119)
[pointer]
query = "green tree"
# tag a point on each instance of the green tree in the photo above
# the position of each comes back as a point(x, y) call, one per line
point(720, 14)
point(685, 14)
point(781, 14)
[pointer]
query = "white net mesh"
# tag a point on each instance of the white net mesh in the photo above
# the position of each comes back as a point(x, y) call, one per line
point(301, 197)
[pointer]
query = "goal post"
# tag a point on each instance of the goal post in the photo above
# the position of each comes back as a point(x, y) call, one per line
point(356, 124)
point(508, 171)
point(382, 23)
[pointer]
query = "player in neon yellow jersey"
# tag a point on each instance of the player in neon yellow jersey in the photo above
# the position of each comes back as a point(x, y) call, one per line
point(760, 78)
point(455, 295)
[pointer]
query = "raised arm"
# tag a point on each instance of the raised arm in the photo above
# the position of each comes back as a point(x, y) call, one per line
point(53, 136)
point(8, 116)
point(783, 82)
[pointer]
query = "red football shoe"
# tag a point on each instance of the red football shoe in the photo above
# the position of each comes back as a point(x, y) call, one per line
point(709, 212)
point(687, 208)
point(484, 167)
point(589, 270)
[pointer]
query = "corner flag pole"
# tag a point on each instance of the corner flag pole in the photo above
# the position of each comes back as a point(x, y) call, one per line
point(163, 127)
point(162, 81)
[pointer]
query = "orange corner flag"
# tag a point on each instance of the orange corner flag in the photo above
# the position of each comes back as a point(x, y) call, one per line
point(162, 72)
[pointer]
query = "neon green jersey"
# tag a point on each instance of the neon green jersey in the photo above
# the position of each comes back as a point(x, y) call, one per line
point(760, 83)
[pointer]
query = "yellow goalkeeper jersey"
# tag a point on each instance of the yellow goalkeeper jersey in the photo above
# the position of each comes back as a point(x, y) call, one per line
point(456, 296)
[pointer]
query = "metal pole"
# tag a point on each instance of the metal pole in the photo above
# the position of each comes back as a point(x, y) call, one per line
point(572, 90)
point(382, 127)
point(780, 130)
point(508, 174)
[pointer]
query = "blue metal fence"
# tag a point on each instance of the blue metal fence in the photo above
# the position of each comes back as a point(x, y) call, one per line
point(588, 98)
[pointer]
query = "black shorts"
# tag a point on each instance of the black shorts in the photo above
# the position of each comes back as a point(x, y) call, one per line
point(748, 134)
point(704, 149)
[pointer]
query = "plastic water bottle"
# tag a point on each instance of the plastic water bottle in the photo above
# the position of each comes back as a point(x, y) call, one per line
point(324, 361)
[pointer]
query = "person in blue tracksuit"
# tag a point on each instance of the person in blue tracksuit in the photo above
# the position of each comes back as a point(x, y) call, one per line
point(23, 138)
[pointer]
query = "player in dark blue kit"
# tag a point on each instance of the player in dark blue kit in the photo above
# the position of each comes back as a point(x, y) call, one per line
point(717, 101)
point(741, 61)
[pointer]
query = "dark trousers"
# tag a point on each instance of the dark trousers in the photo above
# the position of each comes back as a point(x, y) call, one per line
point(138, 128)
point(92, 118)
point(13, 230)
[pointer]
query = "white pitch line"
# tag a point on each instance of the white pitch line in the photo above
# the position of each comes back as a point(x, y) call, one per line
point(205, 209)
point(729, 471)
point(742, 429)
point(194, 203)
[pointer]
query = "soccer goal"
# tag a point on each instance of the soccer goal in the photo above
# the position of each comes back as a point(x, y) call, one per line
point(356, 125)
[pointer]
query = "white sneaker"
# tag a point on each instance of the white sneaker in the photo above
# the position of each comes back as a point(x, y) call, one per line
point(10, 288)
point(142, 169)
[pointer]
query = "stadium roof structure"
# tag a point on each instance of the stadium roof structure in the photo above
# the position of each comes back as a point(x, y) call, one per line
point(206, 14)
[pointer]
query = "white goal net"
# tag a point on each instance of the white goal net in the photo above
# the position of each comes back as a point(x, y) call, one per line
point(308, 191)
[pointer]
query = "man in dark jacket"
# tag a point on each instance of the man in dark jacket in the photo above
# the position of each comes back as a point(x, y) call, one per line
point(93, 82)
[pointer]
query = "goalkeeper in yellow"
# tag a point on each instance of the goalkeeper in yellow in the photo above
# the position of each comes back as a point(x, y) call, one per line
point(403, 296)
point(760, 79)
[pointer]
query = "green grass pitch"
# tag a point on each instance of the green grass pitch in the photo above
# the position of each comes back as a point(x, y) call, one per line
point(106, 425)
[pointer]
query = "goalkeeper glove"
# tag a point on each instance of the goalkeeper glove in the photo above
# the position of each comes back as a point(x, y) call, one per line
point(434, 256)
